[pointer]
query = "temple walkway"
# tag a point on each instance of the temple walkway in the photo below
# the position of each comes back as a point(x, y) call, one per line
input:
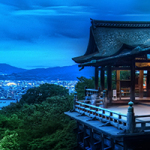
point(139, 109)
point(128, 98)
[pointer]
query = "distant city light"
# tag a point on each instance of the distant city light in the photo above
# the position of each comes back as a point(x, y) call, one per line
point(11, 83)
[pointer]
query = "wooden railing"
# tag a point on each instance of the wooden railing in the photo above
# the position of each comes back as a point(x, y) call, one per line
point(91, 91)
point(140, 124)
point(116, 119)
point(97, 102)
point(129, 123)
point(98, 97)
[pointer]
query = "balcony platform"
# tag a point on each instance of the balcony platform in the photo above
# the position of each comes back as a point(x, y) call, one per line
point(90, 132)
point(101, 128)
point(95, 125)
point(139, 109)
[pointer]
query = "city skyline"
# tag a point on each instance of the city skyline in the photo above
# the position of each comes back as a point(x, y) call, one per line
point(43, 33)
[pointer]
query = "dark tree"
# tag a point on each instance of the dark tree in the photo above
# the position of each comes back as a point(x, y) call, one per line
point(81, 85)
point(39, 94)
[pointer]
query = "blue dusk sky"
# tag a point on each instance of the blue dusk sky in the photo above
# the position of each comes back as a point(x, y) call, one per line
point(48, 33)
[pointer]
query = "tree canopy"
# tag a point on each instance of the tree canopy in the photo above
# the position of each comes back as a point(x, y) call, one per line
point(82, 83)
point(39, 94)
point(40, 124)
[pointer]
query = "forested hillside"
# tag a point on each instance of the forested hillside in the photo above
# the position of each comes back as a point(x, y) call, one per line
point(38, 122)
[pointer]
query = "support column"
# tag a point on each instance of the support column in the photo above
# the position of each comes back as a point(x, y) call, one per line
point(118, 82)
point(92, 146)
point(148, 83)
point(130, 119)
point(132, 87)
point(102, 141)
point(112, 144)
point(96, 77)
point(79, 136)
point(86, 137)
point(109, 83)
point(141, 84)
point(102, 79)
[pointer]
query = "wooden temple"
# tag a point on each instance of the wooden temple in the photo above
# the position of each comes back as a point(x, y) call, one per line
point(115, 46)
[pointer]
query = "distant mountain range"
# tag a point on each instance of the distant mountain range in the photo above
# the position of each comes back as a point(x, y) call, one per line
point(7, 69)
point(52, 73)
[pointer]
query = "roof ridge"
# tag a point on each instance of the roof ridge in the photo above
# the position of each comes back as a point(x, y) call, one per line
point(122, 24)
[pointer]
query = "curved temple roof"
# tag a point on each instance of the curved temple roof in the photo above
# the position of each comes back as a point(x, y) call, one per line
point(109, 39)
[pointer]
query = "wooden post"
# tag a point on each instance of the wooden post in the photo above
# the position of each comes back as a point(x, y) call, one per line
point(132, 87)
point(118, 82)
point(141, 84)
point(85, 143)
point(109, 84)
point(102, 79)
point(130, 118)
point(92, 140)
point(79, 136)
point(102, 141)
point(104, 99)
point(148, 83)
point(112, 144)
point(96, 77)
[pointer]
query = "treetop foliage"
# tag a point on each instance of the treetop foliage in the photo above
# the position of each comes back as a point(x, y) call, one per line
point(82, 83)
point(38, 121)
point(39, 94)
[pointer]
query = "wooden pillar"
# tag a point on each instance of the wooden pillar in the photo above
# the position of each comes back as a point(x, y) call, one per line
point(132, 87)
point(109, 83)
point(148, 83)
point(130, 119)
point(92, 146)
point(102, 141)
point(96, 77)
point(86, 137)
point(112, 144)
point(79, 136)
point(118, 81)
point(141, 84)
point(102, 79)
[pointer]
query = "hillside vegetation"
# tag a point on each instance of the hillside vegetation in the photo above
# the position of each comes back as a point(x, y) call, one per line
point(38, 122)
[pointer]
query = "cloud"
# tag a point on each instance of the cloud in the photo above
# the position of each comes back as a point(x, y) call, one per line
point(32, 24)
point(38, 32)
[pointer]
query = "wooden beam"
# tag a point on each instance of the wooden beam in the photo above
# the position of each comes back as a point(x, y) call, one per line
point(142, 68)
point(132, 88)
point(109, 83)
point(121, 68)
point(148, 83)
point(112, 143)
point(142, 61)
point(79, 135)
point(102, 78)
point(102, 143)
point(92, 140)
point(141, 84)
point(126, 68)
point(96, 77)
point(118, 80)
point(85, 137)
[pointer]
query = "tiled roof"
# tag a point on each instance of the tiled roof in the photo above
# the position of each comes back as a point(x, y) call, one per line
point(107, 38)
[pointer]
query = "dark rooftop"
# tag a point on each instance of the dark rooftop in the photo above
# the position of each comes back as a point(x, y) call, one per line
point(110, 38)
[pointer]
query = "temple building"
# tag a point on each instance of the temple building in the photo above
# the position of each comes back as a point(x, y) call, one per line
point(117, 46)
